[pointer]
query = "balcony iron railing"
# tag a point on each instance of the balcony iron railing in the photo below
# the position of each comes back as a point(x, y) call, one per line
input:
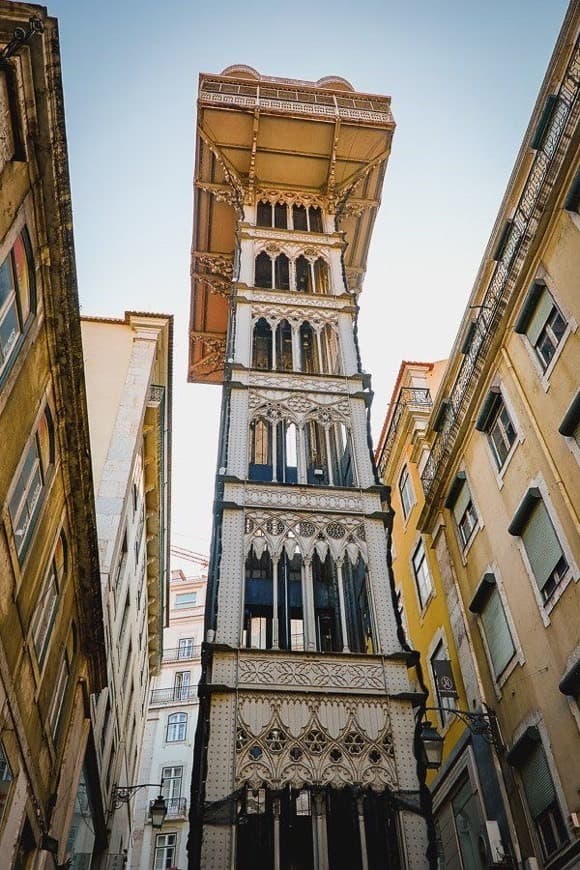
point(176, 807)
point(179, 654)
point(173, 695)
point(414, 398)
point(514, 248)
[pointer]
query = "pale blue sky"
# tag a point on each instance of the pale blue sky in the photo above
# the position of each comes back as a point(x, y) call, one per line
point(463, 77)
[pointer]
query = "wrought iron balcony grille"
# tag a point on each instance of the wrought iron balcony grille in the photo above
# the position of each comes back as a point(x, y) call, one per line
point(176, 807)
point(180, 654)
point(414, 398)
point(173, 695)
point(514, 248)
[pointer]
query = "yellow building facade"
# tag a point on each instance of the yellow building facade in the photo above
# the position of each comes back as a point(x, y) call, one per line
point(472, 826)
point(51, 624)
point(498, 462)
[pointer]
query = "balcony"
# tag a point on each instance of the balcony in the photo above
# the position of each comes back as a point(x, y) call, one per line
point(413, 398)
point(176, 807)
point(173, 695)
point(178, 654)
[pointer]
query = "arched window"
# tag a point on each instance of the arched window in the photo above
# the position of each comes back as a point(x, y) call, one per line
point(309, 349)
point(262, 349)
point(357, 607)
point(299, 218)
point(263, 276)
point(330, 356)
point(264, 214)
point(290, 612)
point(282, 272)
point(258, 602)
point(176, 727)
point(303, 275)
point(284, 347)
point(260, 450)
point(326, 605)
point(315, 219)
point(321, 276)
point(280, 216)
point(316, 458)
point(340, 446)
point(289, 443)
point(17, 299)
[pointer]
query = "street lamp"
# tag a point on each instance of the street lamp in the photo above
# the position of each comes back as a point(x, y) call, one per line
point(158, 807)
point(484, 724)
point(432, 746)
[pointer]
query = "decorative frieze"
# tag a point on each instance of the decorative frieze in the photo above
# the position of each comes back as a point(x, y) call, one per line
point(308, 498)
point(308, 534)
point(301, 740)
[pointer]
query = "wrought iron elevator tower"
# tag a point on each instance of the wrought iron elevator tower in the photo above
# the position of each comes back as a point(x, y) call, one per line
point(304, 747)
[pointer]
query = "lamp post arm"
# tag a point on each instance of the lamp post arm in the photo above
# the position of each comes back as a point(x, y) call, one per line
point(123, 794)
point(483, 724)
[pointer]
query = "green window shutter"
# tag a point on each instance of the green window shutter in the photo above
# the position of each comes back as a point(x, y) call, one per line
point(541, 543)
point(537, 781)
point(497, 633)
point(538, 319)
point(461, 502)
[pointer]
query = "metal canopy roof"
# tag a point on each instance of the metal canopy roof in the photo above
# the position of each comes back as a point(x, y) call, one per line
point(277, 139)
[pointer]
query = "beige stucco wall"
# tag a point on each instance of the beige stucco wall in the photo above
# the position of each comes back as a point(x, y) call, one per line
point(107, 350)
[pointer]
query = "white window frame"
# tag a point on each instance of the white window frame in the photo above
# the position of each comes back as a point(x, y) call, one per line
point(420, 545)
point(59, 697)
point(571, 327)
point(160, 851)
point(536, 719)
point(187, 605)
point(178, 725)
point(46, 612)
point(409, 490)
point(518, 658)
point(546, 607)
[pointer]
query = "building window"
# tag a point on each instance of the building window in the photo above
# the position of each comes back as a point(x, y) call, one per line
point(28, 492)
point(533, 525)
point(183, 600)
point(185, 648)
point(459, 823)
point(542, 322)
point(165, 851)
point(529, 758)
point(488, 605)
point(573, 198)
point(495, 421)
point(406, 492)
point(47, 603)
point(172, 778)
point(570, 425)
point(176, 727)
point(440, 654)
point(6, 778)
point(422, 574)
point(459, 501)
point(182, 686)
point(58, 698)
point(16, 299)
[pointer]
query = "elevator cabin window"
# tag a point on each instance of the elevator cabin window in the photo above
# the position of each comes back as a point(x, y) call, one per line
point(282, 272)
point(273, 447)
point(262, 350)
point(263, 276)
point(264, 628)
point(307, 219)
point(284, 347)
point(258, 602)
point(309, 350)
point(357, 607)
point(255, 831)
point(326, 605)
point(303, 275)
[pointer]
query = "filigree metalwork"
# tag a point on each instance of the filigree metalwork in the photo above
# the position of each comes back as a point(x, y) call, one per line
point(522, 230)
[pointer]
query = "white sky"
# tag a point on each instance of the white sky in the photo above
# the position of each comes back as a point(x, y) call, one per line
point(463, 77)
